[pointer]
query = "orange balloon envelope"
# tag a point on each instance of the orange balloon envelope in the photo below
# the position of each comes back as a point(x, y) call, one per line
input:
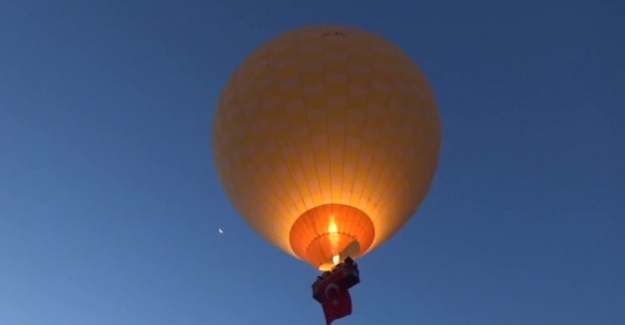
point(326, 140)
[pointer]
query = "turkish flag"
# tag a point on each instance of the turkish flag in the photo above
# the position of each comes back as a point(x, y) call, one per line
point(335, 300)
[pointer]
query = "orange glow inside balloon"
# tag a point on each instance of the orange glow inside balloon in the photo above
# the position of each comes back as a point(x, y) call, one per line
point(326, 140)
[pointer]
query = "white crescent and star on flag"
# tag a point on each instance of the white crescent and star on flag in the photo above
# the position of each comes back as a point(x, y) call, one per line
point(330, 287)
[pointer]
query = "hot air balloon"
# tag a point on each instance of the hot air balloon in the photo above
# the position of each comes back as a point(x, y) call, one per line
point(326, 140)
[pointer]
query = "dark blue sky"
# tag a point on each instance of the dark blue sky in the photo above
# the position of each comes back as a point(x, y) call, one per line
point(110, 203)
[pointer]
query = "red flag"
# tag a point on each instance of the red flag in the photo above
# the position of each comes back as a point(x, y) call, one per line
point(335, 300)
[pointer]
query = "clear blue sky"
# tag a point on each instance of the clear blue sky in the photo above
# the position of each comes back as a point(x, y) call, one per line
point(110, 204)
